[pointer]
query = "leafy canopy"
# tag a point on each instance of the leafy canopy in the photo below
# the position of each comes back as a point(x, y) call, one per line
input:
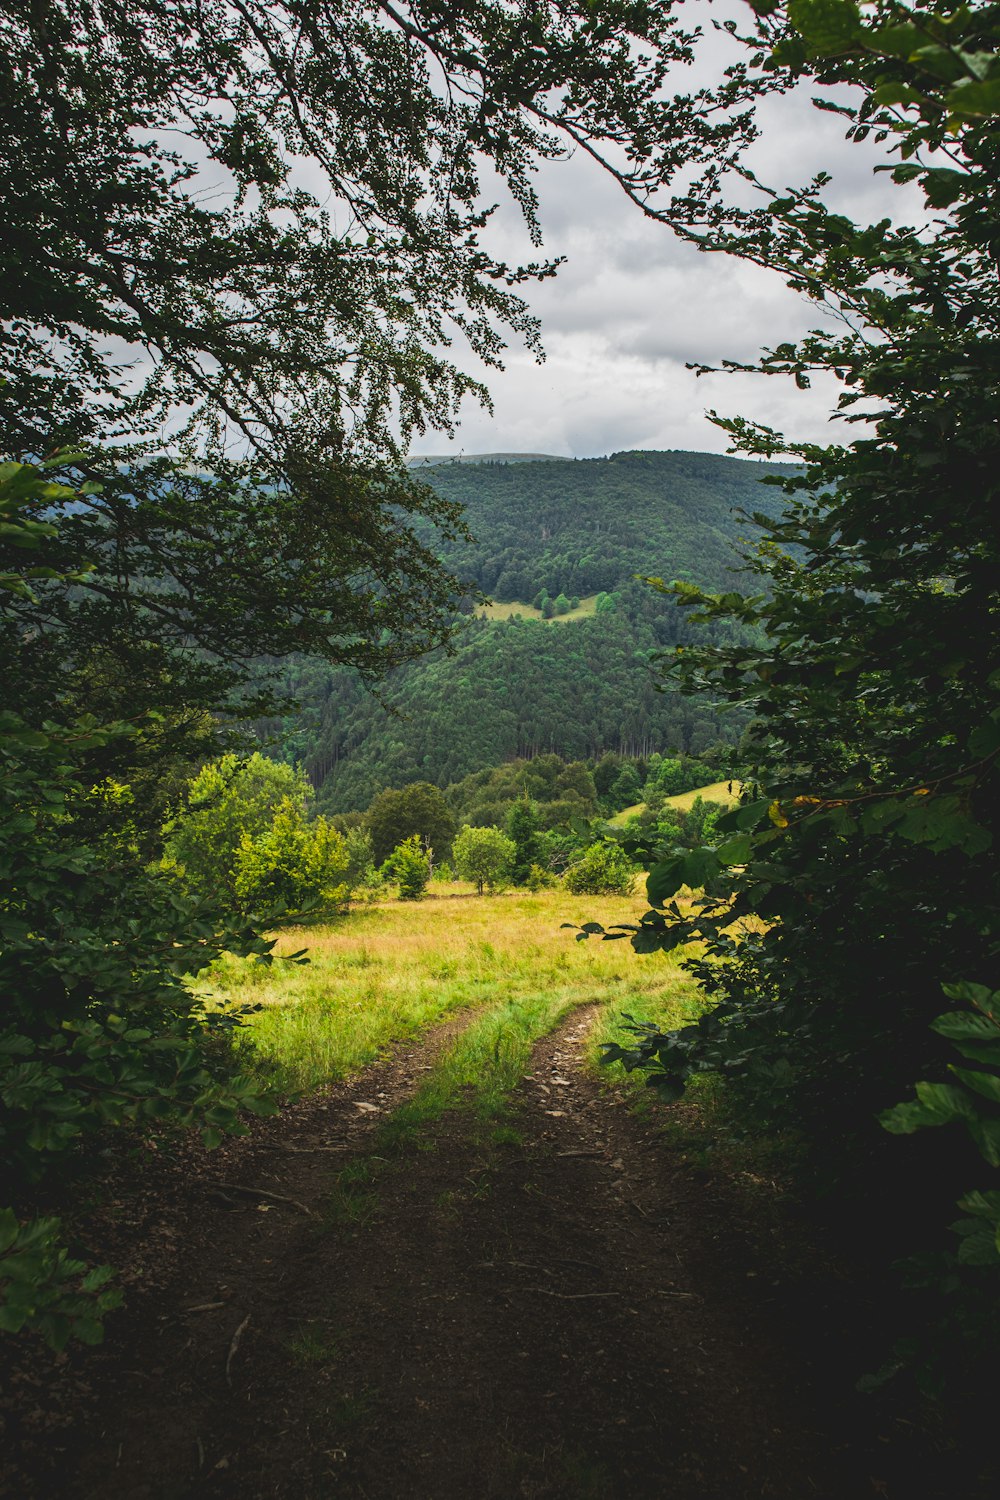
point(866, 856)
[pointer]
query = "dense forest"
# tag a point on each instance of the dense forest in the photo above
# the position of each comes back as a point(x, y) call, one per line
point(519, 687)
point(592, 524)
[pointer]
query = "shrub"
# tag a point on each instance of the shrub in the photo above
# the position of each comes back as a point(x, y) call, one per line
point(293, 864)
point(229, 801)
point(410, 867)
point(99, 1027)
point(602, 870)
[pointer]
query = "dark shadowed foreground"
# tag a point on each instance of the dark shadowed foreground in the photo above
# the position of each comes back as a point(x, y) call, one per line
point(562, 1307)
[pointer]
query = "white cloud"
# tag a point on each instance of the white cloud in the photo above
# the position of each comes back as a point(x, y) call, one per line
point(634, 304)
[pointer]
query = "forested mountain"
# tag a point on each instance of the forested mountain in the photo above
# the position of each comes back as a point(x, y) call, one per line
point(577, 526)
point(520, 687)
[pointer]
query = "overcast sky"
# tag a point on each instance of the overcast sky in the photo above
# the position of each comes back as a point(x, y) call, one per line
point(633, 305)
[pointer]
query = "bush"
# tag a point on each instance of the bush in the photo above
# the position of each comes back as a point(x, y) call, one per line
point(360, 855)
point(293, 865)
point(99, 1027)
point(231, 800)
point(602, 870)
point(410, 867)
point(522, 830)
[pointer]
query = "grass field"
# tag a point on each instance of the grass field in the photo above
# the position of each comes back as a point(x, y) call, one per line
point(716, 791)
point(528, 612)
point(387, 971)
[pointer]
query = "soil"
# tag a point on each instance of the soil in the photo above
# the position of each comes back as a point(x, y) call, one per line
point(566, 1309)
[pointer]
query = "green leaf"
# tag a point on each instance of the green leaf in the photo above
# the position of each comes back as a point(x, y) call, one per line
point(977, 995)
point(972, 100)
point(735, 851)
point(986, 1084)
point(665, 880)
point(8, 1229)
point(828, 27)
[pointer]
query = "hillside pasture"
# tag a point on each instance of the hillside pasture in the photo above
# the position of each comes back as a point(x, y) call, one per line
point(726, 792)
point(512, 610)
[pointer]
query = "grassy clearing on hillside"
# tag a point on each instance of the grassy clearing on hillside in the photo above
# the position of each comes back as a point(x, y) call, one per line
point(384, 972)
point(716, 791)
point(496, 611)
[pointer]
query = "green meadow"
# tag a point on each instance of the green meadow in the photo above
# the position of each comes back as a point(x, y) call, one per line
point(385, 972)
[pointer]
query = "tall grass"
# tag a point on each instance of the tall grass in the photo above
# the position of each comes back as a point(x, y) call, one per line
point(382, 973)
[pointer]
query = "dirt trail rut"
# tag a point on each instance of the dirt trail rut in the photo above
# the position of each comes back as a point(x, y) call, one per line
point(561, 1313)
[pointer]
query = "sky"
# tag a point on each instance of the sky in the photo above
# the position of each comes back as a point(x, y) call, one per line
point(633, 305)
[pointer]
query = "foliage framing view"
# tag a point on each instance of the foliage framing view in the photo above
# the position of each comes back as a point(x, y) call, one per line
point(870, 849)
point(244, 234)
point(284, 346)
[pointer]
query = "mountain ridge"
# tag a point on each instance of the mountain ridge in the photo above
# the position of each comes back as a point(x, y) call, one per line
point(516, 687)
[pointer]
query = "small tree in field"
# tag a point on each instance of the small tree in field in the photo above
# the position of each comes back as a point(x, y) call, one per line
point(485, 856)
point(229, 801)
point(410, 866)
point(294, 864)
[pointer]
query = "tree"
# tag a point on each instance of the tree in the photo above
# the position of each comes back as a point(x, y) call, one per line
point(866, 854)
point(255, 307)
point(293, 864)
point(99, 1023)
point(231, 802)
point(419, 809)
point(360, 855)
point(289, 349)
point(410, 866)
point(561, 605)
point(626, 789)
point(522, 830)
point(485, 856)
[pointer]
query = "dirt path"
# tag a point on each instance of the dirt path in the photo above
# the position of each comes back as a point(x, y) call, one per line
point(562, 1312)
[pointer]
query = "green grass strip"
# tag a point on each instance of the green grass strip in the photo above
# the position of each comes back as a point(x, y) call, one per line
point(479, 1071)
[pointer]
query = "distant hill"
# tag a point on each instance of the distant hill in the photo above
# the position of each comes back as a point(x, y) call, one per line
point(579, 526)
point(514, 686)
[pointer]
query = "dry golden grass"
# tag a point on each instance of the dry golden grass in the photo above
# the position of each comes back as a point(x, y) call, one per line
point(716, 791)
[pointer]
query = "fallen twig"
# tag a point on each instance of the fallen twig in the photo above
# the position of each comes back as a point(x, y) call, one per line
point(567, 1296)
point(233, 1348)
point(255, 1192)
point(311, 1150)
